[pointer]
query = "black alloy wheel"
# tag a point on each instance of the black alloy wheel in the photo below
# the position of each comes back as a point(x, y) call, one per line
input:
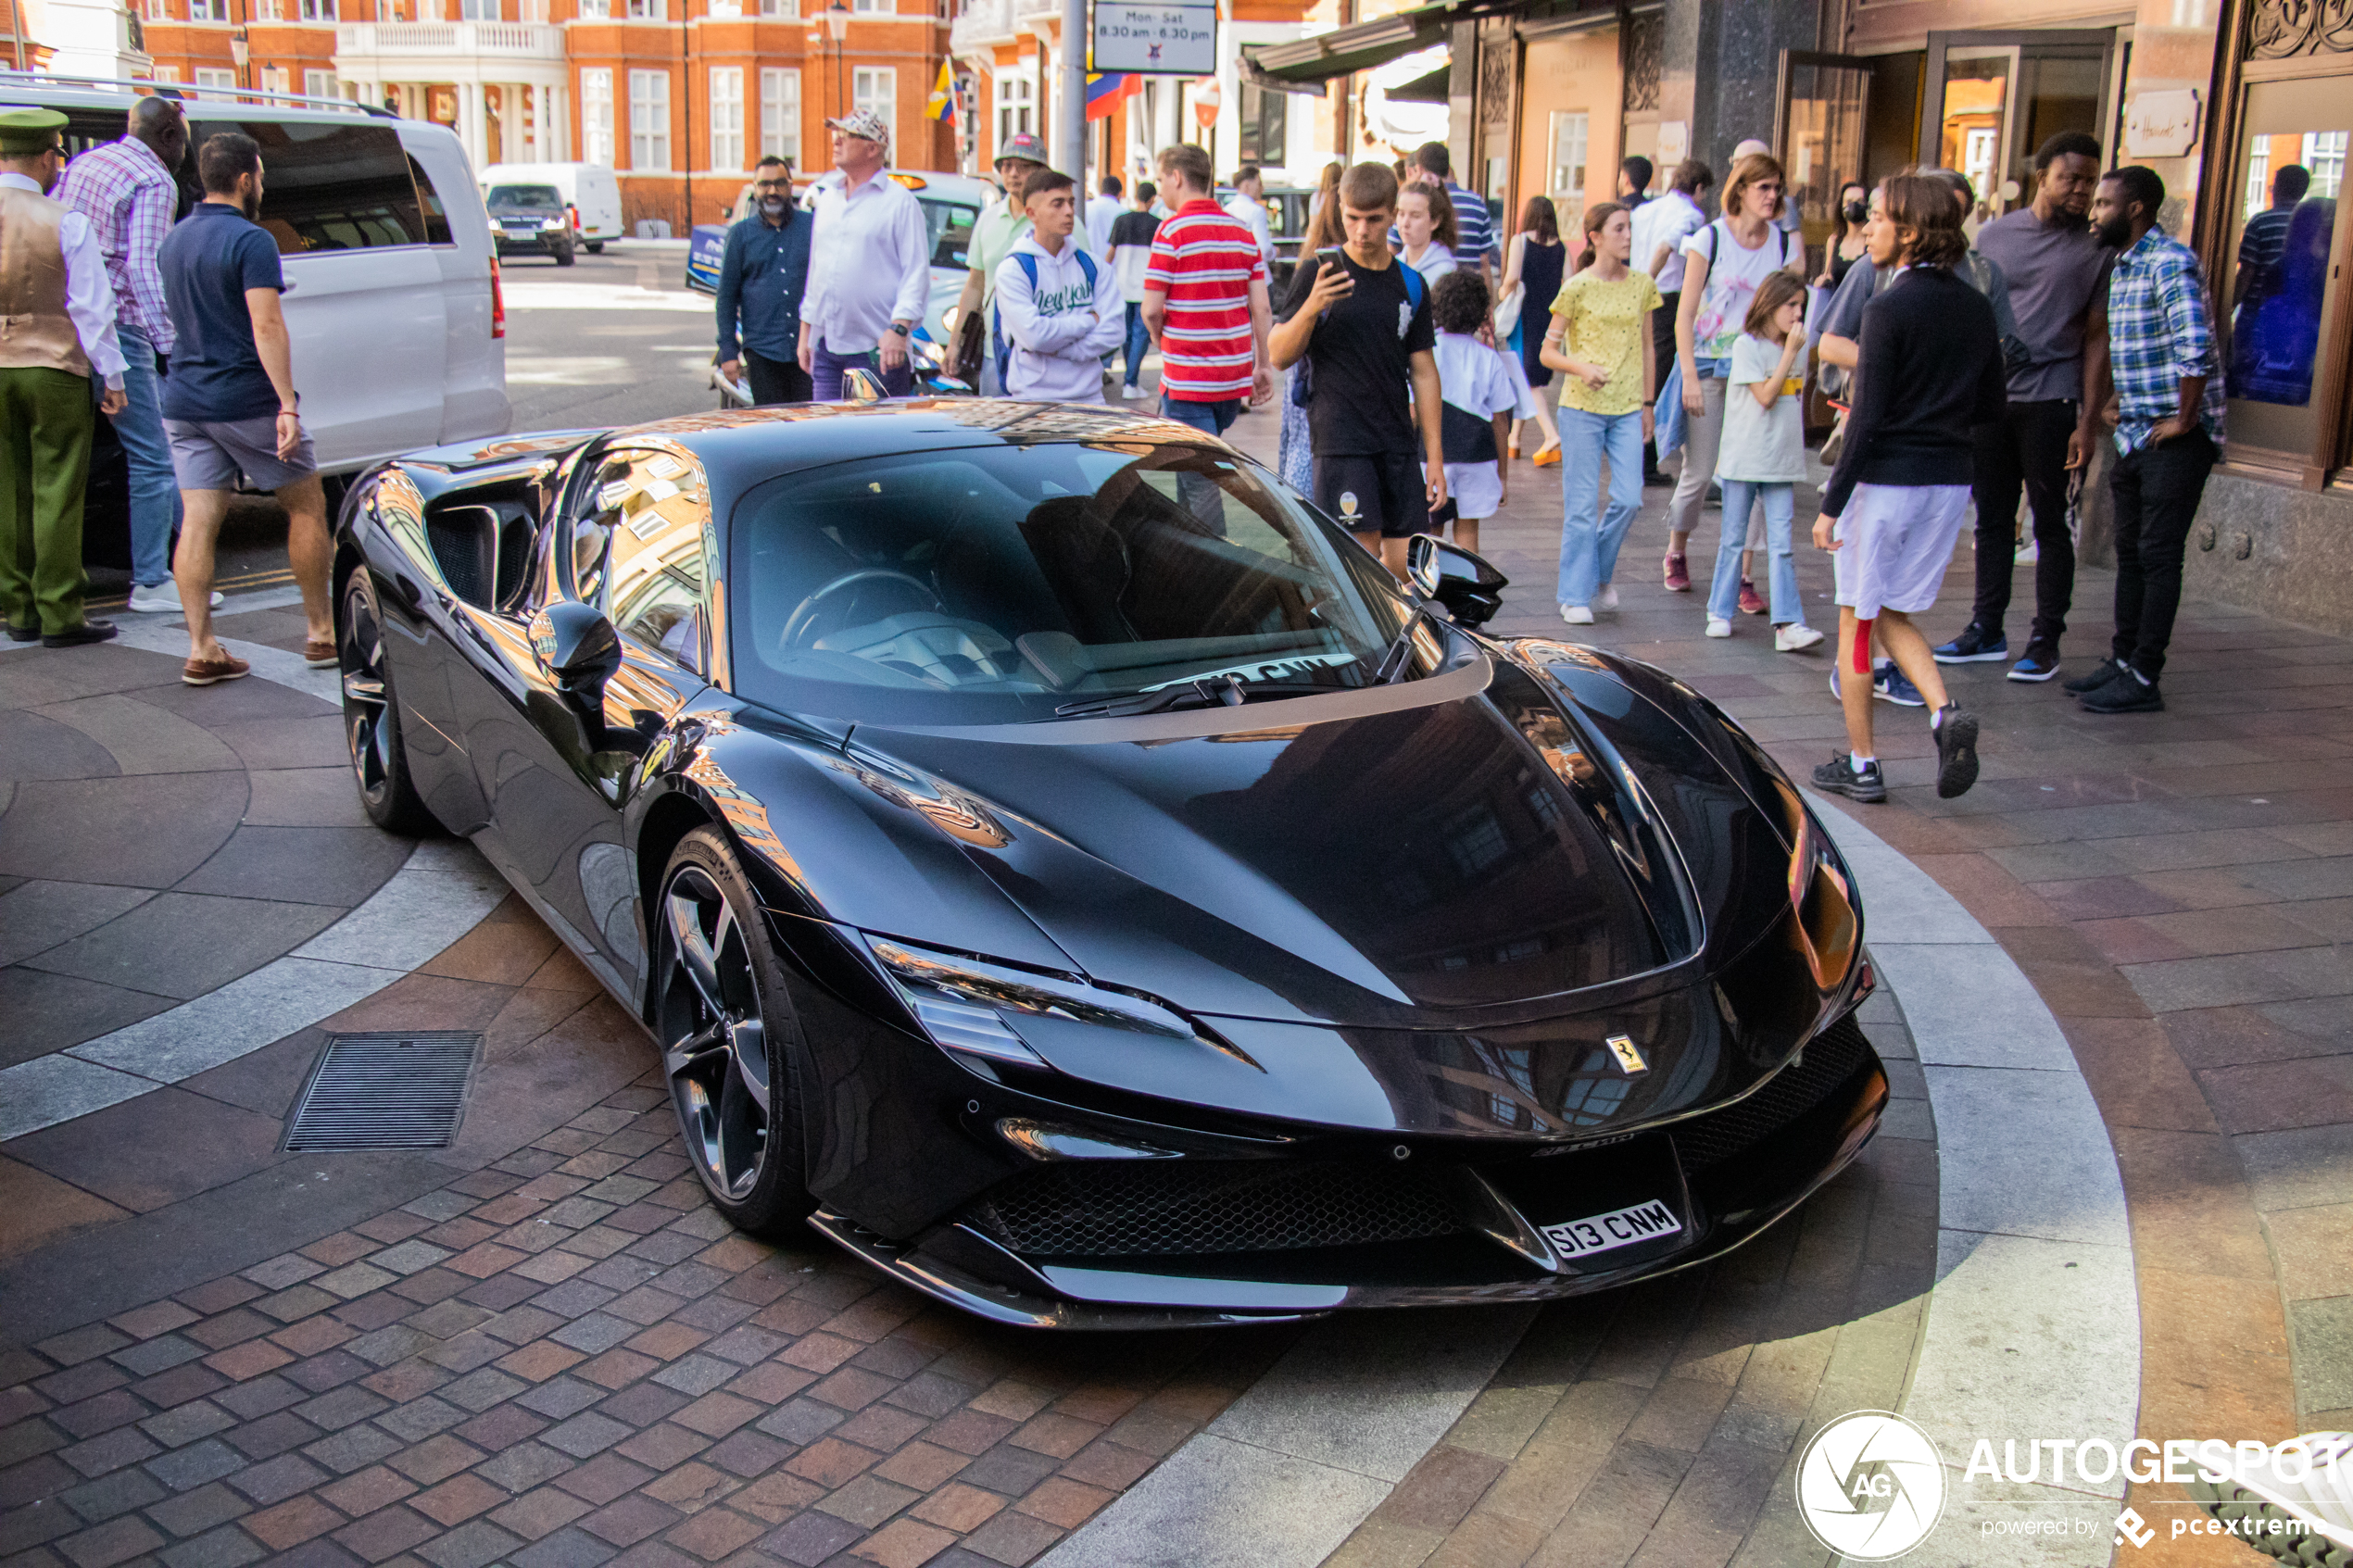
point(371, 715)
point(728, 1040)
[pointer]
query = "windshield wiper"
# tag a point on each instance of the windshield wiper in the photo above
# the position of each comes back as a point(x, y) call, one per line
point(1395, 663)
point(1203, 693)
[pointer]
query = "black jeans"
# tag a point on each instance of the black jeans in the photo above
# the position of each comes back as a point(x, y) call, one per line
point(1662, 352)
point(775, 381)
point(2026, 447)
point(2157, 492)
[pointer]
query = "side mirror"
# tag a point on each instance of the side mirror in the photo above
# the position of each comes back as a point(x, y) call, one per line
point(861, 386)
point(1471, 589)
point(578, 649)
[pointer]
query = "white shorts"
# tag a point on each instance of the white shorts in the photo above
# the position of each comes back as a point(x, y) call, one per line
point(1476, 489)
point(1896, 542)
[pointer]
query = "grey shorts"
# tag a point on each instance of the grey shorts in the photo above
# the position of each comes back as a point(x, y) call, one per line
point(210, 454)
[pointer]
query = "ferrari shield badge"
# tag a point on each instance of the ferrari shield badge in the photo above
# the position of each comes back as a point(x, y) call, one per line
point(1629, 1059)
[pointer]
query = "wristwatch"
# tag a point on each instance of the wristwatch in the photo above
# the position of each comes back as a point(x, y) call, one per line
point(899, 328)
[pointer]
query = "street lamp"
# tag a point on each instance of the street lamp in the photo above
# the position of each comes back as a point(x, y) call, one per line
point(837, 28)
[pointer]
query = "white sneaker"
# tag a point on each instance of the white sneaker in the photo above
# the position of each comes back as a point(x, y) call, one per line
point(1576, 615)
point(1131, 394)
point(161, 598)
point(2032, 551)
point(1794, 637)
point(2314, 1488)
point(1607, 599)
point(1717, 627)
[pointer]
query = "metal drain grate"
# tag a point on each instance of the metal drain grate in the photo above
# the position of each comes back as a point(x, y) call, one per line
point(385, 1091)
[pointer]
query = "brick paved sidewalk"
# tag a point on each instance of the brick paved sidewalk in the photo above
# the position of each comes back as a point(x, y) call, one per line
point(568, 1358)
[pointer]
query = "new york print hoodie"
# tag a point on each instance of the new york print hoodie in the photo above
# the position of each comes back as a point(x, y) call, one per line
point(1057, 333)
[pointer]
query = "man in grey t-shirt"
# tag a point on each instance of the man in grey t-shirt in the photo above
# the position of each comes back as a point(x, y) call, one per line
point(2056, 273)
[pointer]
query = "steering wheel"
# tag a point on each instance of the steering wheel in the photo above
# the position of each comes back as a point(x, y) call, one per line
point(804, 615)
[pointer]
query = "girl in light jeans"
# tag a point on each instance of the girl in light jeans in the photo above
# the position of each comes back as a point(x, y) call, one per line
point(1600, 340)
point(1763, 456)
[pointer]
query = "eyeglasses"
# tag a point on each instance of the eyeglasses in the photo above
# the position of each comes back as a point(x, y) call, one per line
point(770, 185)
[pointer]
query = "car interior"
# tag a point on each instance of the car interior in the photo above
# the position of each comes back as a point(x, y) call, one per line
point(1051, 568)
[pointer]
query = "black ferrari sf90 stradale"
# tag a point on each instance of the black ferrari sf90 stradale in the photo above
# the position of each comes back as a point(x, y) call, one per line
point(1058, 864)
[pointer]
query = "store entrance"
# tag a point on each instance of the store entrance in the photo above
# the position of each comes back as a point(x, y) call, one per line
point(1989, 99)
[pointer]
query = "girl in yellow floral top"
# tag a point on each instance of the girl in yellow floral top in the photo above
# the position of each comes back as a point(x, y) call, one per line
point(1600, 340)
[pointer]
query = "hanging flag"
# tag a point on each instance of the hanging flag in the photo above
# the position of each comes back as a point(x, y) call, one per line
point(942, 105)
point(1105, 88)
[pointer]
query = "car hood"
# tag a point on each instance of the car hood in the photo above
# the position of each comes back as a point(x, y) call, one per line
point(1409, 867)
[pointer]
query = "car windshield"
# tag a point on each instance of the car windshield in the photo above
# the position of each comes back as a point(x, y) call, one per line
point(1011, 584)
point(535, 198)
point(951, 227)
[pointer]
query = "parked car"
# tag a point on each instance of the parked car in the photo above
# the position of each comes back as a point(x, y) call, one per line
point(388, 261)
point(532, 218)
point(1287, 222)
point(589, 188)
point(1064, 869)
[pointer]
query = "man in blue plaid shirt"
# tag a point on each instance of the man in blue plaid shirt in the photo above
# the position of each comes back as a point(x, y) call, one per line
point(2169, 399)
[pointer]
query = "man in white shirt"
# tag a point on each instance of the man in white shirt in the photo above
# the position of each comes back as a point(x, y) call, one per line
point(1102, 212)
point(1250, 189)
point(869, 265)
point(1059, 306)
point(62, 333)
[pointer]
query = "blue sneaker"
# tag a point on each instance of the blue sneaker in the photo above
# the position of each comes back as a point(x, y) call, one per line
point(2040, 664)
point(1888, 684)
point(1972, 647)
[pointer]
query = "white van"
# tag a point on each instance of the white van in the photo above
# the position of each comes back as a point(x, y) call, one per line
point(589, 188)
point(392, 298)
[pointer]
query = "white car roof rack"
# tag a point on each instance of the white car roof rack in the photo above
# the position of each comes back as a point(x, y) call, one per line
point(13, 80)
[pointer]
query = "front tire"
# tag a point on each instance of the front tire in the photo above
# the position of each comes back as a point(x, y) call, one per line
point(729, 1042)
point(371, 715)
point(563, 254)
point(595, 247)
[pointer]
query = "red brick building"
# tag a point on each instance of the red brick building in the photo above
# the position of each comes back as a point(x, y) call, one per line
point(679, 96)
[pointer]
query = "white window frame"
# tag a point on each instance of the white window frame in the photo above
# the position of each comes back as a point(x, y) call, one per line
point(780, 113)
point(210, 83)
point(164, 73)
point(783, 11)
point(726, 107)
point(873, 7)
point(649, 120)
point(481, 11)
point(1016, 101)
point(648, 10)
point(595, 115)
point(277, 78)
point(321, 84)
point(876, 88)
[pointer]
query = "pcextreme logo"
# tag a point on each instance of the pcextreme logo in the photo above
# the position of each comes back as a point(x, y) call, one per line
point(1870, 1485)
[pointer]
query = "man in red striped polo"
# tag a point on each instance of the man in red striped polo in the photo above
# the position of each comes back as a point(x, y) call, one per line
point(1205, 300)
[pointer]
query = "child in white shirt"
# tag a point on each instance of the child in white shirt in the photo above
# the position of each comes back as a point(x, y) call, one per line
point(1479, 398)
point(1763, 456)
point(1058, 308)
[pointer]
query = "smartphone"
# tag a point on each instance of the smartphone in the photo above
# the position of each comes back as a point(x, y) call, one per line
point(1442, 514)
point(1328, 256)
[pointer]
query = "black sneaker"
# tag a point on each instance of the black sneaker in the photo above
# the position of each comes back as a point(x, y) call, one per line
point(1973, 646)
point(1955, 752)
point(24, 634)
point(1838, 776)
point(2040, 662)
point(2106, 669)
point(74, 636)
point(2127, 693)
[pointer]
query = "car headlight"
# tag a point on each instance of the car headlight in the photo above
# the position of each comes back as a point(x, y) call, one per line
point(950, 317)
point(1828, 927)
point(969, 1006)
point(927, 353)
point(552, 226)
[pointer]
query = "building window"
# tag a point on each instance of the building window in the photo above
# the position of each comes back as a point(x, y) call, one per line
point(316, 10)
point(875, 88)
point(166, 73)
point(216, 84)
point(780, 115)
point(274, 79)
point(784, 9)
point(595, 115)
point(1568, 161)
point(1265, 125)
point(2283, 265)
point(872, 7)
point(321, 84)
point(1014, 107)
point(726, 117)
point(648, 10)
point(649, 120)
point(265, 11)
point(595, 10)
point(387, 10)
point(208, 10)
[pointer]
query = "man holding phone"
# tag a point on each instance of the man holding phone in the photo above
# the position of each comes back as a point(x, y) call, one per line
point(1362, 325)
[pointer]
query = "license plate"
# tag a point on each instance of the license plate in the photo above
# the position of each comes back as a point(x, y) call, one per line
point(1619, 1227)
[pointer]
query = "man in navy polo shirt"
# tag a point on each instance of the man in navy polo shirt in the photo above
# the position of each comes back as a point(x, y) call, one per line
point(229, 405)
point(761, 276)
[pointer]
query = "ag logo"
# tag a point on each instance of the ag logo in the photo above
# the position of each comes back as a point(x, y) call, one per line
point(1348, 503)
point(1870, 1485)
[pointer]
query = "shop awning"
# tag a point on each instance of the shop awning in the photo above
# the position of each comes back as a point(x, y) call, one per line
point(1429, 89)
point(1303, 65)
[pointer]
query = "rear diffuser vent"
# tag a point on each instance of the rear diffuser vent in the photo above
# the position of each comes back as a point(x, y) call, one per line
point(385, 1091)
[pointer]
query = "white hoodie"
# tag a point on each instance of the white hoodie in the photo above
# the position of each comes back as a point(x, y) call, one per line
point(1057, 333)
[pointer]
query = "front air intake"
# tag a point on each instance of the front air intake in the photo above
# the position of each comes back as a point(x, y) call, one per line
point(1082, 1208)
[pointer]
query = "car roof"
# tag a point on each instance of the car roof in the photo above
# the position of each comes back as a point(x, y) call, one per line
point(743, 447)
point(954, 187)
point(200, 103)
